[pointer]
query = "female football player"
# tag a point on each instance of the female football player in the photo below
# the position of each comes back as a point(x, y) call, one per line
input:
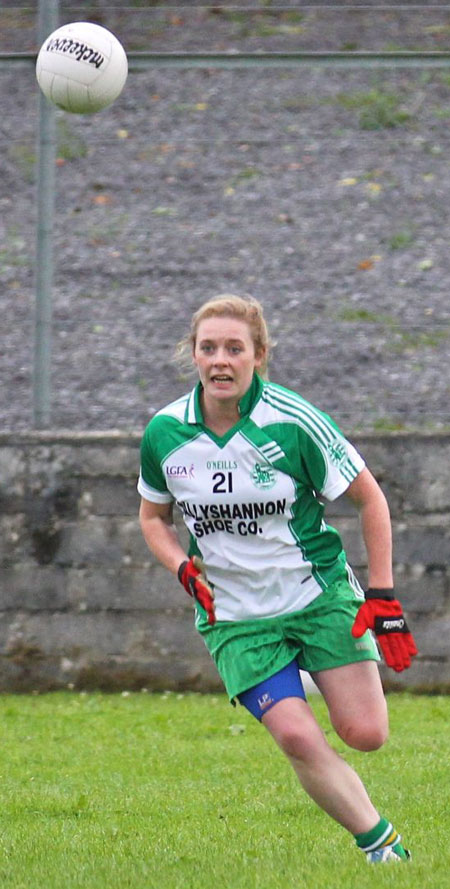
point(248, 463)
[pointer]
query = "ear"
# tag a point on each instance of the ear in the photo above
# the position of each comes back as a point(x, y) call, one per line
point(260, 357)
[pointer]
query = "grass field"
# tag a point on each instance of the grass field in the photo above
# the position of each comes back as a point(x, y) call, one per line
point(182, 791)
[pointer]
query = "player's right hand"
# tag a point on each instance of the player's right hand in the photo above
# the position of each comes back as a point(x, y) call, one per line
point(192, 575)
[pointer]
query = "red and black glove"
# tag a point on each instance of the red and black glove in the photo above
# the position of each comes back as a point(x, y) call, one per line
point(192, 575)
point(382, 613)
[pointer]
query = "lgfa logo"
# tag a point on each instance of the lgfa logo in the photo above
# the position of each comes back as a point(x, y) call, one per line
point(180, 471)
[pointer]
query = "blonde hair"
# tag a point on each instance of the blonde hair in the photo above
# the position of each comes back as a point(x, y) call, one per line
point(227, 305)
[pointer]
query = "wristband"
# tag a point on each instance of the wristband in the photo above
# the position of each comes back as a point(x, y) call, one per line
point(181, 570)
point(387, 594)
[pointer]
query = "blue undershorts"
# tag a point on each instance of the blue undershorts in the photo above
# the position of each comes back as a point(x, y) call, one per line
point(286, 683)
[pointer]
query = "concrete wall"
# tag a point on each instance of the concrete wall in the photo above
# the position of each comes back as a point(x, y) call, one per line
point(83, 603)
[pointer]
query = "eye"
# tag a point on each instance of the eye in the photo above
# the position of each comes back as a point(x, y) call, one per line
point(207, 348)
point(235, 350)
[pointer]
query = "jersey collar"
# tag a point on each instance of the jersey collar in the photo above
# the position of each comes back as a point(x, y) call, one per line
point(246, 404)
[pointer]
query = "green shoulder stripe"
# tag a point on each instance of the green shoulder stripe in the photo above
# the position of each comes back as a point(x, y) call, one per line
point(319, 428)
point(311, 418)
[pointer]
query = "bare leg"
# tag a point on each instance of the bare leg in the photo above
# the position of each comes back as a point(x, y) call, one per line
point(325, 776)
point(356, 703)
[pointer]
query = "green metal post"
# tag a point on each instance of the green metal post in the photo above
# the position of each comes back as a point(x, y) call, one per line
point(47, 22)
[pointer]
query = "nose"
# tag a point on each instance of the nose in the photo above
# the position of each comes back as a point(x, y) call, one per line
point(221, 357)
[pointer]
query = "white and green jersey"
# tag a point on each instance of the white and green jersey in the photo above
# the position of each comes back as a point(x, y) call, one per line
point(250, 498)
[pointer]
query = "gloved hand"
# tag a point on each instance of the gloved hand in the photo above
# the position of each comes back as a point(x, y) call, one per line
point(192, 575)
point(382, 613)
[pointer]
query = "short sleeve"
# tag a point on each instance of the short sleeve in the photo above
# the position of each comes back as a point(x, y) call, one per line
point(344, 463)
point(152, 484)
point(331, 461)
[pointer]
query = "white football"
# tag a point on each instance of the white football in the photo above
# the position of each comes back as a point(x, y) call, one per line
point(81, 67)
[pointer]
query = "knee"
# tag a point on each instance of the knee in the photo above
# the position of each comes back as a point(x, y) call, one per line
point(363, 736)
point(298, 743)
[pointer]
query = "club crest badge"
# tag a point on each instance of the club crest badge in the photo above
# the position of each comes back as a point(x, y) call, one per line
point(264, 476)
point(337, 452)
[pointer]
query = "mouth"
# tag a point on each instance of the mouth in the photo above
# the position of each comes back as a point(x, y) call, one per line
point(221, 378)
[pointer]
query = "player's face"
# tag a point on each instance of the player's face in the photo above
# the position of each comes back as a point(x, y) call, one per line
point(225, 358)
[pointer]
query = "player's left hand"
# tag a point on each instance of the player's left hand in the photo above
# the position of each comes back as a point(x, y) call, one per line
point(382, 613)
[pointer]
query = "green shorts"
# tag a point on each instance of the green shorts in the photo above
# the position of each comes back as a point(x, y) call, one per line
point(247, 652)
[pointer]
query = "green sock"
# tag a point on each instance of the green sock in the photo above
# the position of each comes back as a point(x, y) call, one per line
point(383, 834)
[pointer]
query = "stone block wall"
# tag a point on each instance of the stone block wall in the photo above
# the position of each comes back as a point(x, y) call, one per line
point(83, 603)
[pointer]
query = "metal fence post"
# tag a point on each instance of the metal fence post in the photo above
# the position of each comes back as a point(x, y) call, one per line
point(47, 22)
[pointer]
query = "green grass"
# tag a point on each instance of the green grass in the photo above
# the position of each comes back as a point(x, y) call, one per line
point(24, 157)
point(385, 424)
point(401, 240)
point(416, 340)
point(351, 313)
point(243, 176)
point(377, 109)
point(397, 340)
point(142, 791)
point(70, 144)
point(264, 22)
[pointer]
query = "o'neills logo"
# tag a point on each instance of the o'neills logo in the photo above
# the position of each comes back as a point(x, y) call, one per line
point(180, 471)
point(80, 51)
